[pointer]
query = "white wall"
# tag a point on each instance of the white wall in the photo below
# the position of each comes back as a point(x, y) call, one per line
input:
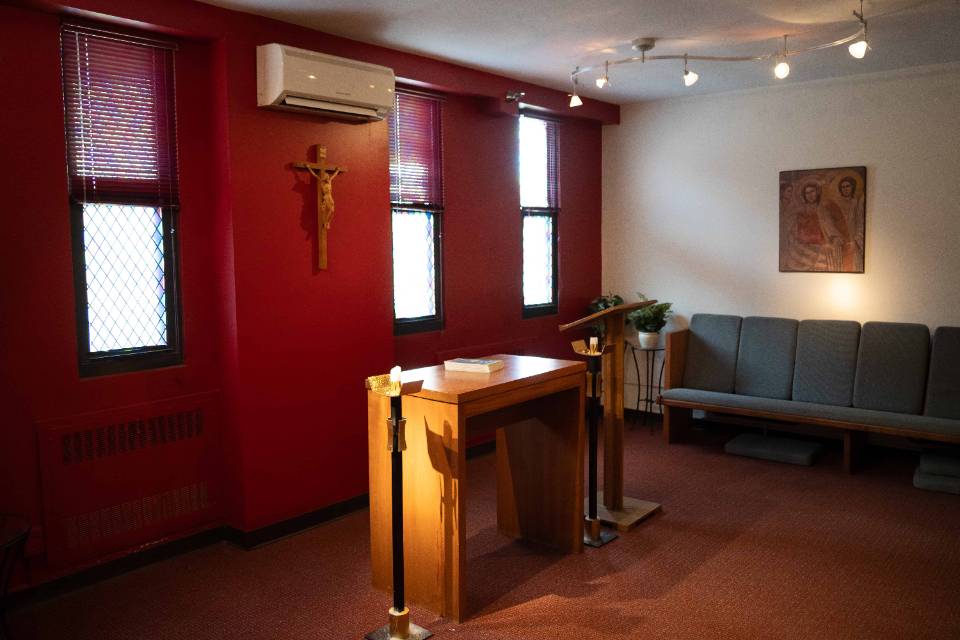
point(690, 197)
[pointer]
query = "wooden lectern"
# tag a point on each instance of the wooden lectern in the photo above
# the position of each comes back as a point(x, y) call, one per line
point(617, 510)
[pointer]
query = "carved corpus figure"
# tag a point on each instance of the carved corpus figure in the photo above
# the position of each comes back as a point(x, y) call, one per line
point(325, 205)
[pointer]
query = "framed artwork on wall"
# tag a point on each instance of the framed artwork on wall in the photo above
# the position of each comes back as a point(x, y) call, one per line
point(822, 216)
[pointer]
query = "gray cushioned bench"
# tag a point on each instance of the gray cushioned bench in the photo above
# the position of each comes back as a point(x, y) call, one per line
point(883, 377)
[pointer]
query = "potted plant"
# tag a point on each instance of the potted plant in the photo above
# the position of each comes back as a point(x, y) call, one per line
point(599, 304)
point(649, 321)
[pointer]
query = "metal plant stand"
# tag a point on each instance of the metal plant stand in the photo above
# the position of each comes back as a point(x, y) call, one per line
point(649, 398)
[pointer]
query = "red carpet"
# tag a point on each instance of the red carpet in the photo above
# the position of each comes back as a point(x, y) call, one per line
point(743, 549)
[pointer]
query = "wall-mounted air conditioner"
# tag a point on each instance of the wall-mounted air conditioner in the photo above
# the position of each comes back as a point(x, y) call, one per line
point(301, 80)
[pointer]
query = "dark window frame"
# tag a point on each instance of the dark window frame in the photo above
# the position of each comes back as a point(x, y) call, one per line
point(406, 326)
point(101, 363)
point(548, 308)
point(553, 307)
point(435, 322)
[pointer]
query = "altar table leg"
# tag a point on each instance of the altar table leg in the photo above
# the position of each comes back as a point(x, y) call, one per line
point(540, 473)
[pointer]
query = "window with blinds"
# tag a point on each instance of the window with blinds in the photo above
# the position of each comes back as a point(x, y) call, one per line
point(416, 198)
point(539, 208)
point(120, 122)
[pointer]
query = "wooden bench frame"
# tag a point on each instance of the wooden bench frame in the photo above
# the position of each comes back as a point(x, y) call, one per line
point(677, 414)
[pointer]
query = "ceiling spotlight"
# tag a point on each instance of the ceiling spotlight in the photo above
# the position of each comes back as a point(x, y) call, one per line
point(575, 100)
point(859, 48)
point(604, 80)
point(514, 96)
point(689, 77)
point(858, 43)
point(782, 70)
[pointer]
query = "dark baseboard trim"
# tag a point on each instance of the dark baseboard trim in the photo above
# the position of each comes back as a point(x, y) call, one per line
point(116, 567)
point(166, 550)
point(278, 530)
point(173, 548)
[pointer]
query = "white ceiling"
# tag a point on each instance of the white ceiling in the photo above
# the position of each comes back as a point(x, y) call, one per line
point(542, 41)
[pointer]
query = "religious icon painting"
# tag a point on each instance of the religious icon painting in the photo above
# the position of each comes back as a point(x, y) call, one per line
point(822, 214)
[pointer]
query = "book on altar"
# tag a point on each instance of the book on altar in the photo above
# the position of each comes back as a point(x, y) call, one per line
point(473, 365)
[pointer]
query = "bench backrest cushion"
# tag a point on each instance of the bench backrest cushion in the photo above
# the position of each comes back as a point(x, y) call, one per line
point(943, 387)
point(826, 361)
point(765, 361)
point(712, 352)
point(892, 367)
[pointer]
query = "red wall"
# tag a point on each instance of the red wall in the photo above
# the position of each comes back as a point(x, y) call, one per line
point(483, 232)
point(39, 378)
point(288, 346)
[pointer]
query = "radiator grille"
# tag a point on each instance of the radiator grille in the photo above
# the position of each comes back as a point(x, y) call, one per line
point(113, 439)
point(119, 479)
point(135, 514)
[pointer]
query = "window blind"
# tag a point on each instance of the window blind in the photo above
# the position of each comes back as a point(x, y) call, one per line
point(553, 189)
point(415, 174)
point(120, 119)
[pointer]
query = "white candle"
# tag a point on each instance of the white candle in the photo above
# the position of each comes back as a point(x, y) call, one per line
point(593, 344)
point(395, 374)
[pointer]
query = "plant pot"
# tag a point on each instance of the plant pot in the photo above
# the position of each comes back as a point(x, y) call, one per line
point(648, 340)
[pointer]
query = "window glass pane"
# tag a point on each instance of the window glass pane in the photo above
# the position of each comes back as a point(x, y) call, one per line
point(533, 163)
point(414, 276)
point(126, 302)
point(537, 260)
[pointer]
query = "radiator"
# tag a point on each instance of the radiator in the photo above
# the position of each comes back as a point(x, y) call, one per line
point(121, 479)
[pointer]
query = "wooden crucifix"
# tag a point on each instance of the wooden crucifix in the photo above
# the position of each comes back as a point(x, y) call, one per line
point(324, 176)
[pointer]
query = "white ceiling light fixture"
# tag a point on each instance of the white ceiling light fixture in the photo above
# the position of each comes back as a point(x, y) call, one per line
point(604, 80)
point(575, 100)
point(857, 42)
point(859, 48)
point(689, 77)
point(782, 70)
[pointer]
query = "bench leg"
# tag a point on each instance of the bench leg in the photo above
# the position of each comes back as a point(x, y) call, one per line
point(853, 444)
point(676, 423)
